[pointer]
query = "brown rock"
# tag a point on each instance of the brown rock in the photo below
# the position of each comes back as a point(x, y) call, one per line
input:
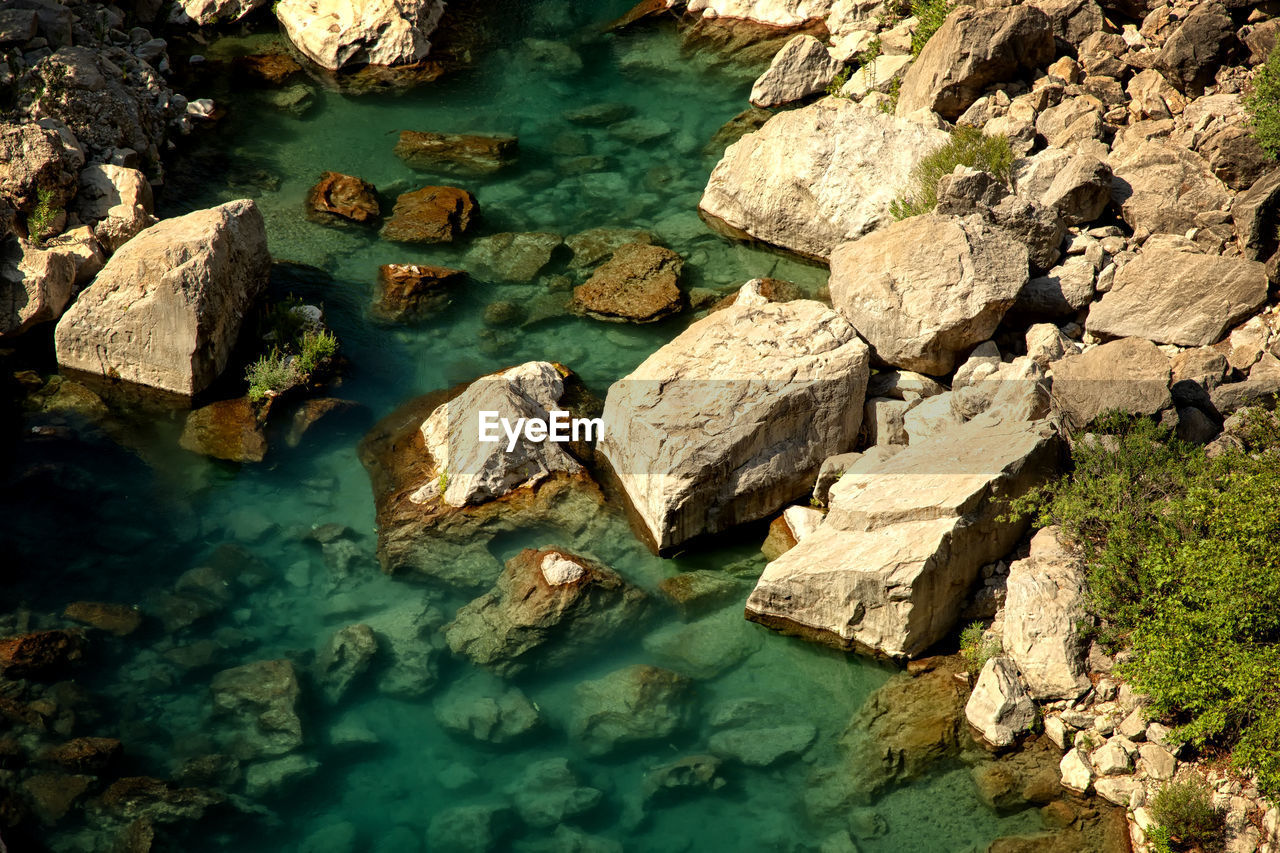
point(119, 619)
point(312, 411)
point(40, 653)
point(84, 754)
point(431, 215)
point(145, 797)
point(53, 794)
point(592, 246)
point(271, 68)
point(639, 284)
point(227, 429)
point(454, 152)
point(342, 198)
point(413, 291)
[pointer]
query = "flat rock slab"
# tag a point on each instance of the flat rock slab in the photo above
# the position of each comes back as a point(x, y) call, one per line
point(431, 215)
point(456, 152)
point(889, 570)
point(813, 178)
point(731, 420)
point(1182, 298)
point(639, 284)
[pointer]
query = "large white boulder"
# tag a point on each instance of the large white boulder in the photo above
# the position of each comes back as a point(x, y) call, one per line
point(889, 569)
point(928, 288)
point(116, 201)
point(802, 68)
point(813, 178)
point(1044, 613)
point(733, 418)
point(165, 311)
point(999, 707)
point(776, 13)
point(204, 12)
point(337, 33)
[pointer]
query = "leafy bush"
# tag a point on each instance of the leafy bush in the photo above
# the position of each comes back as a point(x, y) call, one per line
point(968, 147)
point(837, 82)
point(1183, 554)
point(315, 348)
point(1185, 818)
point(42, 216)
point(929, 15)
point(976, 649)
point(1263, 104)
point(274, 373)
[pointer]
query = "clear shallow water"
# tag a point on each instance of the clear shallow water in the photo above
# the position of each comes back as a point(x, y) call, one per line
point(385, 765)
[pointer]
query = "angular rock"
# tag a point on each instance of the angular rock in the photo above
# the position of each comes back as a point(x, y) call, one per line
point(547, 608)
point(119, 619)
point(470, 829)
point(83, 754)
point(456, 152)
point(1078, 186)
point(802, 68)
point(1253, 213)
point(346, 657)
point(117, 202)
point(336, 34)
point(483, 708)
point(1077, 773)
point(1044, 615)
point(227, 429)
point(1130, 375)
point(35, 286)
point(813, 178)
point(34, 158)
point(1179, 298)
point(166, 309)
point(1161, 186)
point(41, 654)
point(1117, 790)
point(1000, 708)
point(408, 635)
point(431, 215)
point(409, 292)
point(972, 50)
point(204, 12)
point(514, 257)
point(683, 777)
point(1190, 57)
point(710, 430)
point(594, 245)
point(343, 198)
point(905, 538)
point(786, 14)
point(548, 794)
point(267, 778)
point(639, 284)
point(763, 746)
point(927, 288)
point(1065, 290)
point(704, 648)
point(1262, 385)
point(1111, 759)
point(261, 700)
point(695, 593)
point(629, 706)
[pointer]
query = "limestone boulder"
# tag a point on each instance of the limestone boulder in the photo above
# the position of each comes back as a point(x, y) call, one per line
point(638, 284)
point(634, 705)
point(35, 285)
point(1044, 615)
point(34, 158)
point(1181, 298)
point(431, 215)
point(972, 50)
point(116, 201)
point(802, 68)
point(1078, 186)
point(774, 13)
point(548, 793)
point(226, 429)
point(928, 287)
point(513, 257)
point(345, 657)
point(1192, 54)
point(260, 700)
point(732, 419)
point(166, 309)
point(339, 198)
point(336, 34)
point(999, 707)
point(1160, 186)
point(411, 292)
point(889, 569)
point(813, 178)
point(1131, 375)
point(203, 12)
point(547, 607)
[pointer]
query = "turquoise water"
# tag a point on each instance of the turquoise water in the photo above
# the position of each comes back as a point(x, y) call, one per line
point(383, 767)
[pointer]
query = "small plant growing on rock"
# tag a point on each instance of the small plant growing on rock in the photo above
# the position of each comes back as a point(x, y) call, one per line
point(976, 649)
point(1185, 818)
point(968, 147)
point(315, 348)
point(42, 217)
point(272, 374)
point(929, 15)
point(837, 82)
point(1263, 105)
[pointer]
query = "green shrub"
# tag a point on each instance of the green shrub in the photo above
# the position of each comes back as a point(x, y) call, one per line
point(1263, 104)
point(1183, 556)
point(967, 147)
point(890, 106)
point(42, 216)
point(1185, 818)
point(315, 348)
point(929, 15)
point(976, 649)
point(837, 82)
point(274, 373)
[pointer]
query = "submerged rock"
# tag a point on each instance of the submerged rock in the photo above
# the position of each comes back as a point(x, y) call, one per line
point(888, 570)
point(166, 309)
point(594, 245)
point(408, 634)
point(639, 284)
point(813, 178)
point(548, 794)
point(484, 708)
point(431, 215)
point(548, 607)
point(456, 152)
point(630, 706)
point(704, 648)
point(514, 257)
point(343, 198)
point(345, 658)
point(470, 829)
point(684, 777)
point(227, 429)
point(409, 292)
point(695, 593)
point(41, 654)
point(763, 746)
point(731, 419)
point(336, 34)
point(261, 701)
point(119, 619)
